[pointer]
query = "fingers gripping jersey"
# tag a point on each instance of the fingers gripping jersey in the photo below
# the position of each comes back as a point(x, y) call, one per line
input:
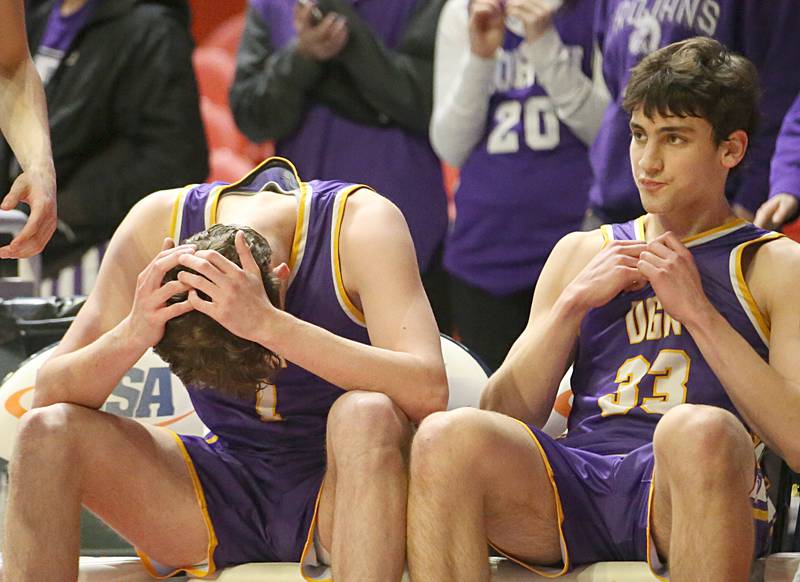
point(288, 418)
point(634, 362)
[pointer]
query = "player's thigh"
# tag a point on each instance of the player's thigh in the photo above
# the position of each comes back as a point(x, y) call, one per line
point(136, 479)
point(360, 422)
point(501, 455)
point(695, 447)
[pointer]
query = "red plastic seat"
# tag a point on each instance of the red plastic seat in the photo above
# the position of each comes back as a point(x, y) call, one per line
point(227, 34)
point(221, 131)
point(227, 165)
point(214, 69)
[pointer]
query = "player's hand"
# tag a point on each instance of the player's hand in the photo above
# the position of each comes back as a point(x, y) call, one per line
point(487, 27)
point(670, 268)
point(535, 16)
point(37, 190)
point(777, 211)
point(610, 272)
point(238, 300)
point(323, 40)
point(149, 314)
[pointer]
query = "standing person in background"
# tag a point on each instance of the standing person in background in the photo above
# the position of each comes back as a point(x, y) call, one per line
point(123, 109)
point(23, 121)
point(627, 30)
point(345, 90)
point(784, 180)
point(516, 112)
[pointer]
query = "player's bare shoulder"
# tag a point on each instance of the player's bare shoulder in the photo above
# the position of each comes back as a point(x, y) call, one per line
point(573, 252)
point(372, 224)
point(773, 273)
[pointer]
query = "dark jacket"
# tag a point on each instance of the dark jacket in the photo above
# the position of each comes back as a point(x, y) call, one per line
point(124, 111)
point(367, 83)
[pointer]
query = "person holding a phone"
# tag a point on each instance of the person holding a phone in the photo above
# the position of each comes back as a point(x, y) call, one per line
point(345, 90)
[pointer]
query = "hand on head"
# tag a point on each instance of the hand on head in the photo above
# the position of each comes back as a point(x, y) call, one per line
point(150, 311)
point(237, 299)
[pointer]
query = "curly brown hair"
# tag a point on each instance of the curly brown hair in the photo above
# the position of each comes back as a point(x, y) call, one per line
point(697, 77)
point(200, 351)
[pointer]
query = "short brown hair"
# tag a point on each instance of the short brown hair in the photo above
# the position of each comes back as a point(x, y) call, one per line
point(697, 77)
point(203, 353)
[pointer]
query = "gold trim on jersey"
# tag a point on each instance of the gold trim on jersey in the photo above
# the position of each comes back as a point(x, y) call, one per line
point(714, 233)
point(544, 571)
point(176, 220)
point(198, 571)
point(742, 290)
point(298, 251)
point(651, 550)
point(608, 234)
point(353, 312)
point(640, 231)
point(212, 203)
point(309, 543)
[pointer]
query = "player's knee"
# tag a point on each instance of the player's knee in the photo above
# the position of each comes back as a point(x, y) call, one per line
point(704, 440)
point(448, 442)
point(371, 417)
point(47, 433)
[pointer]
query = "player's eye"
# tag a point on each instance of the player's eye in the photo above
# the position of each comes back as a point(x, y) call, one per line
point(637, 135)
point(675, 139)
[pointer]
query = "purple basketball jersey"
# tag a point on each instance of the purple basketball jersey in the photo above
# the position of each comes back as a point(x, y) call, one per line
point(635, 362)
point(288, 418)
point(528, 165)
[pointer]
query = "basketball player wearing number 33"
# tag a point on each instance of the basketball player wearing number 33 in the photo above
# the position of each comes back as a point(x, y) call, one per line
point(683, 328)
point(310, 406)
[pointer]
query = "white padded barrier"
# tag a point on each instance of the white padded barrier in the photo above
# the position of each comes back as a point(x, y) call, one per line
point(168, 403)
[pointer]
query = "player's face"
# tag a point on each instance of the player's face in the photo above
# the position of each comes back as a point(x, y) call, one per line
point(675, 162)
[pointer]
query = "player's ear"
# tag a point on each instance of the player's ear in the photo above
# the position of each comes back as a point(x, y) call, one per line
point(734, 148)
point(282, 272)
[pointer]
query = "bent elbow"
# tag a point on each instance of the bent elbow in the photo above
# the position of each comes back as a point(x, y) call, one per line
point(435, 400)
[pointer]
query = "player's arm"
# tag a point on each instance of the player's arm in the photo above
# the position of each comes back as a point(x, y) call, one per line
point(23, 121)
point(582, 272)
point(122, 315)
point(380, 273)
point(766, 394)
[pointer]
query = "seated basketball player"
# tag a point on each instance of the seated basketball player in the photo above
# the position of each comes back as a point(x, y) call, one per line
point(683, 327)
point(321, 442)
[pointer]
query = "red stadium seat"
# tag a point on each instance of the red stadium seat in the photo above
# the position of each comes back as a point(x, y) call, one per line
point(214, 69)
point(792, 230)
point(257, 152)
point(227, 165)
point(226, 35)
point(221, 131)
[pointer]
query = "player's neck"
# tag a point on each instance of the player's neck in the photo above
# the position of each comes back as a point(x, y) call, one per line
point(689, 222)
